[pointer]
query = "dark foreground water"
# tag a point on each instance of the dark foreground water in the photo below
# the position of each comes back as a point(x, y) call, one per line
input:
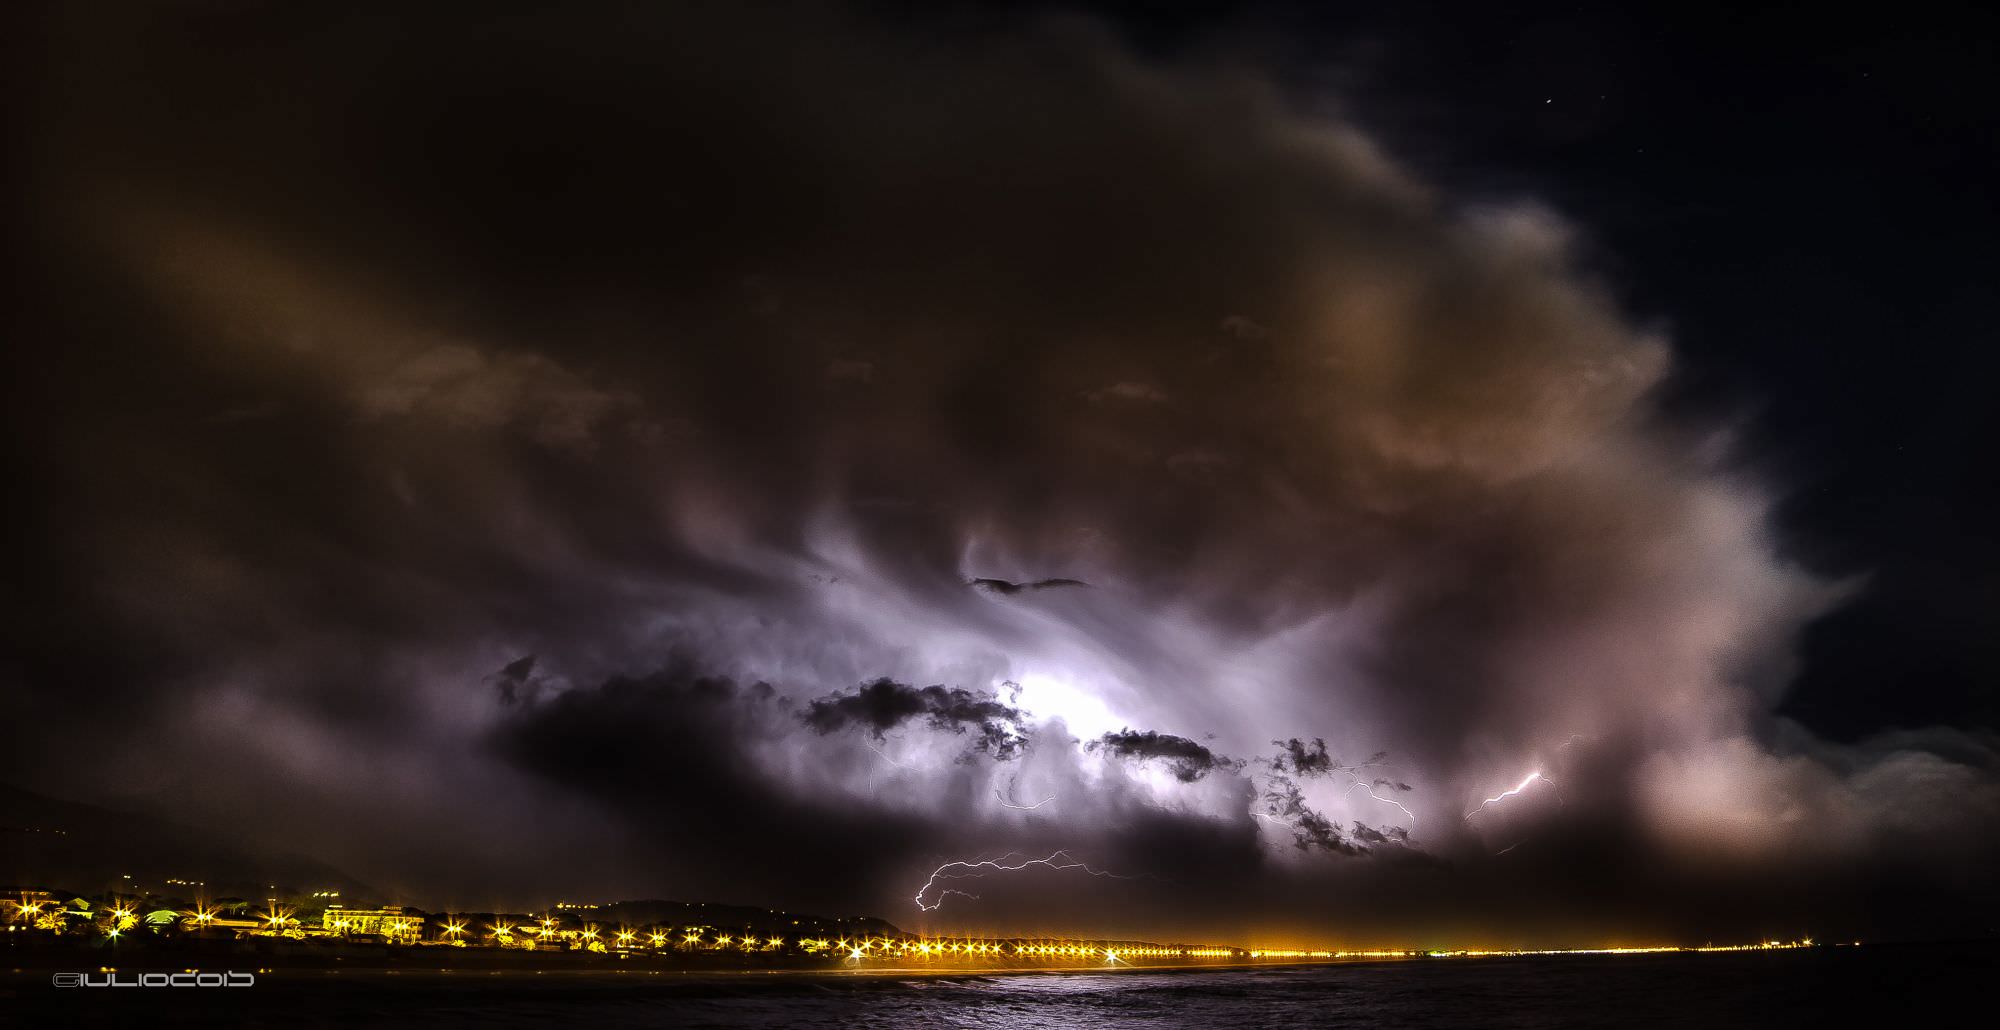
point(1885, 986)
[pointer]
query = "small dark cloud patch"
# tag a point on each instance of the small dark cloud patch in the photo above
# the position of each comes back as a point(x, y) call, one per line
point(1188, 760)
point(1009, 588)
point(1301, 759)
point(885, 704)
point(1367, 834)
point(517, 681)
point(1297, 757)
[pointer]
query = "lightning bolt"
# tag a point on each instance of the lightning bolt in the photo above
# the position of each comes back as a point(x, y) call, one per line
point(1285, 825)
point(1004, 803)
point(1526, 781)
point(885, 756)
point(1369, 789)
point(1059, 861)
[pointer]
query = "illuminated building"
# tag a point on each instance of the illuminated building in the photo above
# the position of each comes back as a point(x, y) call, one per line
point(395, 923)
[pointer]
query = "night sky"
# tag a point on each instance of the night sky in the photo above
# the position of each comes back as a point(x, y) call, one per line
point(1478, 474)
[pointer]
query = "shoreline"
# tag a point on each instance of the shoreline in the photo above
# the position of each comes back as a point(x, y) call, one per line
point(779, 973)
point(300, 975)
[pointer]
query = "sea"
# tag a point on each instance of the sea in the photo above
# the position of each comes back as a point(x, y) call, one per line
point(1882, 986)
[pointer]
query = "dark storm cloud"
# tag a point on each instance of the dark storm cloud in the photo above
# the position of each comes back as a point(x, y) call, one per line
point(1188, 759)
point(675, 752)
point(885, 704)
point(676, 721)
point(516, 681)
point(707, 356)
point(1310, 827)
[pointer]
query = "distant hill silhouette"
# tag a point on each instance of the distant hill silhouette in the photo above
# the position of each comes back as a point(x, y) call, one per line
point(68, 845)
point(685, 913)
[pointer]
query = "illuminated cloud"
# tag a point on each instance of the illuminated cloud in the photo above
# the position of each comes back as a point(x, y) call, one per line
point(424, 370)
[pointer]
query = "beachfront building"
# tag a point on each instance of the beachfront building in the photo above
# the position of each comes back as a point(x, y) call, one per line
point(402, 924)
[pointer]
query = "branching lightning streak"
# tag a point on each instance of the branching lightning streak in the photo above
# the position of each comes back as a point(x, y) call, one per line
point(1526, 781)
point(1059, 861)
point(1370, 791)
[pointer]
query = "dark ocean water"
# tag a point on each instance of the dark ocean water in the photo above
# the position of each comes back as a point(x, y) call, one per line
point(1885, 986)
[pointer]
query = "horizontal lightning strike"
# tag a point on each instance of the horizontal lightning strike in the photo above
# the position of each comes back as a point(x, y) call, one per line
point(1059, 861)
point(1004, 803)
point(1526, 781)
